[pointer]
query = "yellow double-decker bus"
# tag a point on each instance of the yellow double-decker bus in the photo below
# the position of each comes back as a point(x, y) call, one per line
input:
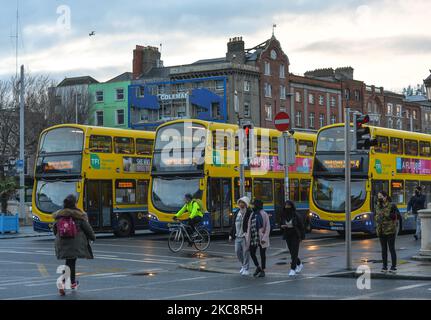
point(202, 158)
point(108, 170)
point(400, 162)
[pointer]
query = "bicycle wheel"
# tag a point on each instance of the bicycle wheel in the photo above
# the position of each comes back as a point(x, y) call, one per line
point(202, 241)
point(176, 240)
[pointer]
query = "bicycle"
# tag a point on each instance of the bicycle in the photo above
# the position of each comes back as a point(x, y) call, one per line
point(201, 240)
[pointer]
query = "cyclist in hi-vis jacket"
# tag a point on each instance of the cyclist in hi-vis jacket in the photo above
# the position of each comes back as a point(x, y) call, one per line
point(194, 209)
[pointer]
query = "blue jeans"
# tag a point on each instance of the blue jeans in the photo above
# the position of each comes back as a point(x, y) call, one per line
point(418, 226)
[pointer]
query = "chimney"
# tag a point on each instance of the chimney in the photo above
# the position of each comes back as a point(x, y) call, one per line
point(236, 50)
point(144, 59)
point(345, 73)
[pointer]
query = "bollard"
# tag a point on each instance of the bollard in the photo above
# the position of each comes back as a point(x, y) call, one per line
point(425, 251)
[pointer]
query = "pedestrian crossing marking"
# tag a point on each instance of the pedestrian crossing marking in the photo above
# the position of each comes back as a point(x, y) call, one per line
point(42, 270)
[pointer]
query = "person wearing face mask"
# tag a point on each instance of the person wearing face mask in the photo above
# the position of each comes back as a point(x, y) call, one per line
point(386, 228)
point(293, 232)
point(416, 203)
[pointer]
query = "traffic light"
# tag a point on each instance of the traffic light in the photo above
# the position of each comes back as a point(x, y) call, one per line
point(247, 141)
point(362, 134)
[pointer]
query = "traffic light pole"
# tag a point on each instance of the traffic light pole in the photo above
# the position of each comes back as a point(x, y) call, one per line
point(348, 224)
point(286, 168)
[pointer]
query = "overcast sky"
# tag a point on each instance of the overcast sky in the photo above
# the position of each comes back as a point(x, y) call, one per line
point(388, 42)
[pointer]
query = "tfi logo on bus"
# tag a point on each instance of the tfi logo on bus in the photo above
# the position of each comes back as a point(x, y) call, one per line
point(95, 161)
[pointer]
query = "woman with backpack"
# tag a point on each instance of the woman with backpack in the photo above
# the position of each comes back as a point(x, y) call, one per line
point(257, 236)
point(293, 232)
point(386, 228)
point(73, 234)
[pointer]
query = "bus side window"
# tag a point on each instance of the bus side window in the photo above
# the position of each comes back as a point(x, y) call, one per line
point(426, 190)
point(305, 148)
point(124, 145)
point(237, 188)
point(125, 192)
point(397, 191)
point(142, 192)
point(274, 145)
point(305, 190)
point(294, 189)
point(410, 189)
point(263, 190)
point(425, 149)
point(144, 146)
point(396, 146)
point(100, 144)
point(411, 147)
point(382, 144)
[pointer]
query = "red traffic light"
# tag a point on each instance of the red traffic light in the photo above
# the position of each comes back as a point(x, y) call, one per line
point(362, 119)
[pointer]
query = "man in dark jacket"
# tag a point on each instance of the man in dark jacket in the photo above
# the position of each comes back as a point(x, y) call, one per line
point(72, 248)
point(416, 203)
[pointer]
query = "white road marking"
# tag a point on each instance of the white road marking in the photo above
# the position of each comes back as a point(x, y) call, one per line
point(386, 291)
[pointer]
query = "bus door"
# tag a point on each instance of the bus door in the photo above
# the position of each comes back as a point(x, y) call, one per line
point(220, 203)
point(278, 201)
point(99, 203)
point(377, 186)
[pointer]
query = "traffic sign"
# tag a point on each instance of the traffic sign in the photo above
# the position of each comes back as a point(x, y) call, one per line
point(282, 121)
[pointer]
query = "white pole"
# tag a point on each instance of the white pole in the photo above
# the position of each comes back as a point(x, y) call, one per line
point(348, 224)
point(21, 148)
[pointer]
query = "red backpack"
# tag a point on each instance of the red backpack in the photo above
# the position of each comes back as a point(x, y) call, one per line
point(67, 228)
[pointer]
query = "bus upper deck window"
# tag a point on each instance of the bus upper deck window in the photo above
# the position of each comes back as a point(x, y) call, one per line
point(144, 146)
point(124, 145)
point(411, 147)
point(305, 147)
point(396, 145)
point(102, 144)
point(425, 149)
point(383, 144)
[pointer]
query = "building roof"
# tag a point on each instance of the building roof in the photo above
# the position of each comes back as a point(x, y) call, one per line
point(210, 61)
point(75, 81)
point(126, 76)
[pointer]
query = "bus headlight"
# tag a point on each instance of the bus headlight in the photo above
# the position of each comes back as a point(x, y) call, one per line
point(313, 215)
point(362, 217)
point(152, 217)
point(36, 218)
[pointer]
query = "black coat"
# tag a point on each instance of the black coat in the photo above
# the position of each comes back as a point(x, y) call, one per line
point(298, 226)
point(232, 232)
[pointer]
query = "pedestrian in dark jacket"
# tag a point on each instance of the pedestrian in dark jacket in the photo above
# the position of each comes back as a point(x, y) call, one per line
point(386, 228)
point(293, 232)
point(72, 248)
point(416, 203)
point(238, 232)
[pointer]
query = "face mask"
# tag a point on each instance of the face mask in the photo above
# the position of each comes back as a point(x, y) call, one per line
point(380, 200)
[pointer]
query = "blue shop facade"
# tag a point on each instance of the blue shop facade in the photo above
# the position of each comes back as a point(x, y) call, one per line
point(153, 103)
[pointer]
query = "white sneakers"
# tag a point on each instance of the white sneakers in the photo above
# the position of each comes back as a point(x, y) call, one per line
point(292, 273)
point(244, 272)
point(299, 268)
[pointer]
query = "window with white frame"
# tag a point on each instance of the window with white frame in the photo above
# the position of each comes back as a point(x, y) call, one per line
point(390, 123)
point(357, 95)
point(333, 101)
point(389, 110)
point(268, 112)
point(347, 94)
point(283, 92)
point(333, 119)
point(311, 98)
point(322, 120)
point(321, 100)
point(398, 109)
point(268, 89)
point(282, 109)
point(415, 114)
point(120, 117)
point(219, 85)
point(99, 96)
point(119, 94)
point(399, 124)
point(407, 113)
point(298, 97)
point(282, 71)
point(99, 118)
point(246, 110)
point(267, 68)
point(298, 117)
point(311, 118)
point(247, 86)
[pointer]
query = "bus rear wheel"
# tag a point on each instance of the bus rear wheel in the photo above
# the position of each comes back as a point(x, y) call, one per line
point(125, 227)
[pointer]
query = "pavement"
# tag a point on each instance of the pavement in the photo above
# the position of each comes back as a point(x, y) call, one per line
point(24, 232)
point(328, 258)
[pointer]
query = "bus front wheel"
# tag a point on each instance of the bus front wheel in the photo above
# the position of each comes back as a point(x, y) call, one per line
point(125, 227)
